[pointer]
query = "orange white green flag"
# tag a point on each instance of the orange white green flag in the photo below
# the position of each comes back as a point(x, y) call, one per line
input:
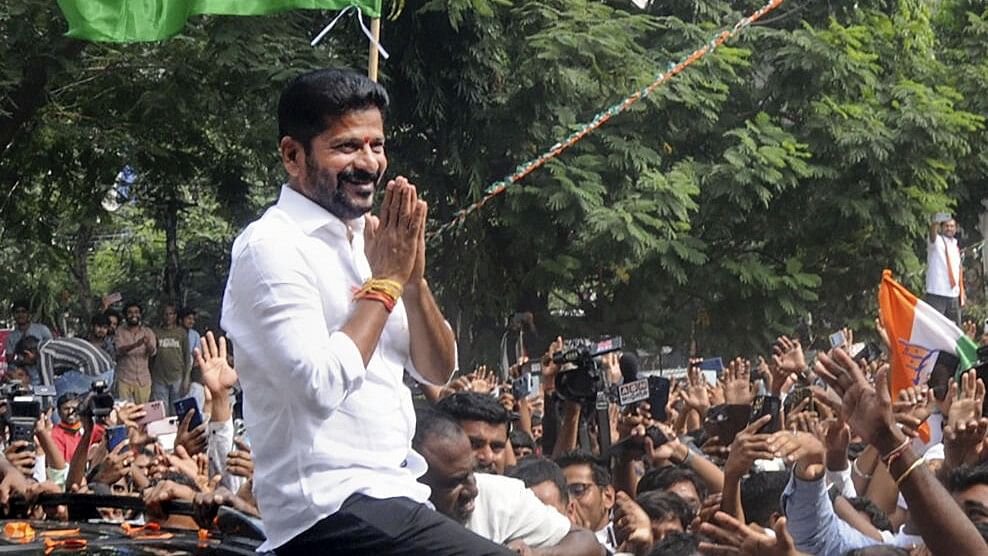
point(918, 332)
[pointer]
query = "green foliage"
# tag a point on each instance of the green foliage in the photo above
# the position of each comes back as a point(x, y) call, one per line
point(775, 178)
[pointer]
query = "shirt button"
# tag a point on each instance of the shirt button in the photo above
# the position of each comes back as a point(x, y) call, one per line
point(404, 463)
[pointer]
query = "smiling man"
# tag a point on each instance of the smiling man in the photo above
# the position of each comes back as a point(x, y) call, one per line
point(498, 508)
point(326, 307)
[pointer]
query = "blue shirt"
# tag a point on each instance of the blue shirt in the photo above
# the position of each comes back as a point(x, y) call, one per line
point(814, 525)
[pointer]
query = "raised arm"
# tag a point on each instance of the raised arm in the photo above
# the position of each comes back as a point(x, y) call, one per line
point(868, 410)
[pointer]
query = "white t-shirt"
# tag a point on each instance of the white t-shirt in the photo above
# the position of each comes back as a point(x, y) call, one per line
point(937, 278)
point(506, 511)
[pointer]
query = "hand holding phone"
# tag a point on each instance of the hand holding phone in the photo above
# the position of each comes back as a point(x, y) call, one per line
point(185, 405)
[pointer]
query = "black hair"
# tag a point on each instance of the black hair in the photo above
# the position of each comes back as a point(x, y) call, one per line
point(176, 477)
point(876, 515)
point(114, 313)
point(130, 304)
point(186, 311)
point(66, 397)
point(760, 494)
point(431, 423)
point(662, 505)
point(313, 98)
point(676, 544)
point(967, 476)
point(601, 474)
point(664, 477)
point(535, 471)
point(99, 319)
point(474, 406)
point(521, 439)
point(20, 304)
point(26, 344)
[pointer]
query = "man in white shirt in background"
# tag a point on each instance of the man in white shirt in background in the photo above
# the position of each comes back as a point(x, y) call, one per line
point(326, 306)
point(944, 270)
point(498, 508)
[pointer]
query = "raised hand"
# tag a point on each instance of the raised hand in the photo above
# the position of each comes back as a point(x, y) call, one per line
point(747, 447)
point(913, 407)
point(21, 457)
point(240, 462)
point(632, 525)
point(193, 440)
point(964, 406)
point(211, 357)
point(392, 243)
point(737, 383)
point(116, 465)
point(787, 358)
point(731, 537)
point(695, 396)
point(804, 449)
point(866, 408)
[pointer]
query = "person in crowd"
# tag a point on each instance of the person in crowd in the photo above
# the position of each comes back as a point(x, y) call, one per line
point(677, 480)
point(187, 317)
point(546, 480)
point(136, 345)
point(97, 333)
point(68, 432)
point(968, 485)
point(172, 361)
point(23, 327)
point(333, 301)
point(486, 424)
point(522, 443)
point(26, 356)
point(667, 512)
point(945, 269)
point(498, 508)
point(590, 489)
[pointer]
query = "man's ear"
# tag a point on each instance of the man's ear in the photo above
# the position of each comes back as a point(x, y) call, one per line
point(609, 496)
point(292, 156)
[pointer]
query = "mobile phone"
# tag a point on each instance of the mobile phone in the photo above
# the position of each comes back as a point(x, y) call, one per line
point(114, 297)
point(941, 217)
point(726, 421)
point(658, 397)
point(767, 405)
point(715, 364)
point(186, 405)
point(168, 425)
point(943, 370)
point(521, 387)
point(115, 435)
point(837, 339)
point(23, 429)
point(154, 411)
point(868, 353)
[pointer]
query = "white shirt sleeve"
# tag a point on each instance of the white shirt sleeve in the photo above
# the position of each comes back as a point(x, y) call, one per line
point(282, 318)
point(219, 445)
point(520, 515)
point(842, 480)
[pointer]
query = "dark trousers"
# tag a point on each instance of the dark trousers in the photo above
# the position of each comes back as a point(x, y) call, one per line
point(949, 307)
point(370, 526)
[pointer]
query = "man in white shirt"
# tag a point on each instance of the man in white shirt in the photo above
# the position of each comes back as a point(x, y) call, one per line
point(498, 508)
point(944, 270)
point(326, 306)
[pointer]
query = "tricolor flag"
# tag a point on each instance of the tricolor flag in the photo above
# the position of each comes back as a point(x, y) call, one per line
point(153, 20)
point(917, 332)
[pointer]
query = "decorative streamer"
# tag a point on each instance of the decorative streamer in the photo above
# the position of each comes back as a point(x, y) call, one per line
point(526, 168)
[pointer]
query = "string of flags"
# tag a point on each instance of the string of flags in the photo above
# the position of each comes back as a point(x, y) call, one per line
point(526, 168)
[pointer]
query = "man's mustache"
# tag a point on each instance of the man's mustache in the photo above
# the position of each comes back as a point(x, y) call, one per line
point(359, 176)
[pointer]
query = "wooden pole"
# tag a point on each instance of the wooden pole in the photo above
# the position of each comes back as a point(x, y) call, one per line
point(373, 55)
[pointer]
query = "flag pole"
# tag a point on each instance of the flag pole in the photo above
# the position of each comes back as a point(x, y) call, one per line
point(372, 58)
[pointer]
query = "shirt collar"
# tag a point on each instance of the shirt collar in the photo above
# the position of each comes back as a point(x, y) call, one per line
point(310, 217)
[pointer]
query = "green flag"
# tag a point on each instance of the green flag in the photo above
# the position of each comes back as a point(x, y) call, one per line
point(152, 20)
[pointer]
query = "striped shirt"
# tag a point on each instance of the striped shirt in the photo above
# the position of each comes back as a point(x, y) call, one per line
point(71, 354)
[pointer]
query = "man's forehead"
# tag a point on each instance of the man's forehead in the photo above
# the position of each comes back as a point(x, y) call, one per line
point(578, 471)
point(485, 431)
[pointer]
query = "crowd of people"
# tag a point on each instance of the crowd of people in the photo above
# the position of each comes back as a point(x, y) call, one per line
point(331, 317)
point(849, 471)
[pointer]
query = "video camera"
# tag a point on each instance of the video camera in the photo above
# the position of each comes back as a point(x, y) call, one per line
point(583, 381)
point(98, 402)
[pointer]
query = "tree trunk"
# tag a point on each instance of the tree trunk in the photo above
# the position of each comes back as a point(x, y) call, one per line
point(173, 269)
point(80, 267)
